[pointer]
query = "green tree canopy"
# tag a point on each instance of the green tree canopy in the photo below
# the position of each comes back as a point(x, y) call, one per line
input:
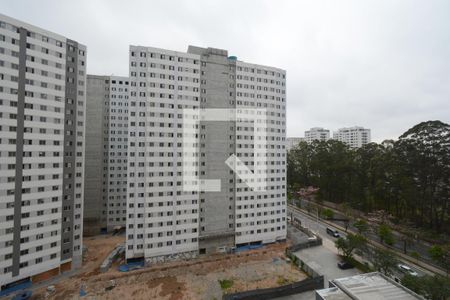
point(431, 287)
point(361, 225)
point(441, 255)
point(385, 234)
point(384, 261)
point(408, 178)
point(349, 244)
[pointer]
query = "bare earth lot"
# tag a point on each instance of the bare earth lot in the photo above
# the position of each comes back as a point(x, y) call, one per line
point(193, 279)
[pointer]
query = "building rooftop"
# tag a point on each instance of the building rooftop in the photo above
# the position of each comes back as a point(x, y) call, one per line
point(333, 294)
point(369, 286)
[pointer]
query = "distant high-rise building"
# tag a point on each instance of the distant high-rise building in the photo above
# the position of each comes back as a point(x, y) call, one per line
point(317, 134)
point(106, 153)
point(42, 124)
point(172, 145)
point(354, 137)
point(293, 142)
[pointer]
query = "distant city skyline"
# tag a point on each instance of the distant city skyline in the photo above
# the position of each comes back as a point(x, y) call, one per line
point(382, 65)
point(354, 136)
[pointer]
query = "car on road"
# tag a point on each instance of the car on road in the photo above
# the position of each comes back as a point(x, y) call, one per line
point(407, 270)
point(344, 265)
point(333, 232)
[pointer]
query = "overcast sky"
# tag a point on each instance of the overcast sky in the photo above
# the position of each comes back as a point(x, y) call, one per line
point(384, 65)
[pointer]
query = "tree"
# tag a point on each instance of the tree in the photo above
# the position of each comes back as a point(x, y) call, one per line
point(385, 234)
point(350, 243)
point(424, 153)
point(414, 283)
point(431, 287)
point(331, 170)
point(384, 261)
point(441, 255)
point(407, 241)
point(409, 178)
point(327, 213)
point(437, 287)
point(362, 226)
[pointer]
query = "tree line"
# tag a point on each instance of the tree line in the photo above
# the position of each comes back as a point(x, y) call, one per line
point(408, 178)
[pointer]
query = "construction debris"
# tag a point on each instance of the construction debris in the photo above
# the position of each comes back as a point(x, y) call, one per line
point(178, 277)
point(111, 285)
point(118, 252)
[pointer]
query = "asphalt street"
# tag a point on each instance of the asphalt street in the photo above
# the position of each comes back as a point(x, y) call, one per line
point(414, 245)
point(320, 228)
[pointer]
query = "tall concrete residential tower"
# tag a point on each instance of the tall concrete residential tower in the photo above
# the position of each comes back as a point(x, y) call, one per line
point(354, 137)
point(42, 124)
point(106, 153)
point(317, 134)
point(189, 126)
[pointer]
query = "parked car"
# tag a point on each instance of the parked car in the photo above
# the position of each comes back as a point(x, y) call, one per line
point(406, 269)
point(333, 232)
point(344, 265)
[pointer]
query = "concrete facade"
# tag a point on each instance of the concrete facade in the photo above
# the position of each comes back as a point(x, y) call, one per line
point(261, 215)
point(166, 87)
point(161, 219)
point(42, 122)
point(106, 153)
point(95, 198)
point(217, 143)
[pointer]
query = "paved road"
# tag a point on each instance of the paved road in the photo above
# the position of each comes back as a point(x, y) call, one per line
point(314, 224)
point(319, 227)
point(418, 246)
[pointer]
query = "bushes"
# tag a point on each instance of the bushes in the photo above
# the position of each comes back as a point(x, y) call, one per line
point(327, 214)
point(226, 284)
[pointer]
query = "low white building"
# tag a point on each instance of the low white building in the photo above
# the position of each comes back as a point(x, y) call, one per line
point(366, 287)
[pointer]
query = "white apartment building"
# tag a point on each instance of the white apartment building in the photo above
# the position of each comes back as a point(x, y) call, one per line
point(106, 153)
point(167, 88)
point(317, 134)
point(261, 216)
point(161, 219)
point(42, 121)
point(354, 137)
point(293, 142)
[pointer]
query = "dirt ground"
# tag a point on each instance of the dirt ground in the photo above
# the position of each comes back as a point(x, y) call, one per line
point(193, 279)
